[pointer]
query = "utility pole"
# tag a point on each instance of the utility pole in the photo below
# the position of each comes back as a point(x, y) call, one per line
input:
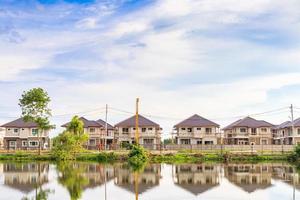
point(106, 133)
point(292, 118)
point(137, 121)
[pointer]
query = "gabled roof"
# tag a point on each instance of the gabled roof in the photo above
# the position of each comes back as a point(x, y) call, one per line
point(91, 123)
point(289, 124)
point(248, 122)
point(19, 123)
point(130, 122)
point(102, 123)
point(196, 121)
point(282, 125)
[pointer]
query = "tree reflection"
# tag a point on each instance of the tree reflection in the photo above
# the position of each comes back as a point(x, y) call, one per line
point(71, 177)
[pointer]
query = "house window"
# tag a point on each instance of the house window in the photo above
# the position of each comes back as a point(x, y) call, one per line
point(133, 129)
point(125, 130)
point(242, 130)
point(92, 130)
point(24, 143)
point(199, 142)
point(253, 131)
point(198, 129)
point(265, 142)
point(92, 142)
point(189, 130)
point(263, 130)
point(16, 130)
point(34, 131)
point(150, 129)
point(298, 131)
point(33, 144)
point(208, 142)
point(12, 143)
point(208, 130)
point(185, 141)
point(144, 129)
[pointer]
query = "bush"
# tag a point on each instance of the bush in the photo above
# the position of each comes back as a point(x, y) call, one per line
point(137, 157)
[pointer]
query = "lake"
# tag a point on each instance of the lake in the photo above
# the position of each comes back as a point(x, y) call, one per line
point(91, 181)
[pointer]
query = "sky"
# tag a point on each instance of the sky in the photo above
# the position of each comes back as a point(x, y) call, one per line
point(221, 59)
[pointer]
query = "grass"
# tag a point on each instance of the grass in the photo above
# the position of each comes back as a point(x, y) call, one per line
point(179, 157)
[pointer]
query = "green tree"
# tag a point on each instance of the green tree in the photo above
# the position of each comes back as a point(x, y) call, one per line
point(70, 142)
point(35, 108)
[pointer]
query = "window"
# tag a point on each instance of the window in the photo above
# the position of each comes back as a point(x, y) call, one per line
point(12, 143)
point(242, 130)
point(144, 129)
point(298, 131)
point(24, 143)
point(253, 131)
point(92, 142)
point(183, 129)
point(125, 130)
point(264, 142)
point(198, 129)
point(92, 130)
point(263, 130)
point(208, 142)
point(185, 141)
point(189, 130)
point(150, 129)
point(199, 142)
point(208, 130)
point(133, 129)
point(33, 143)
point(34, 131)
point(16, 130)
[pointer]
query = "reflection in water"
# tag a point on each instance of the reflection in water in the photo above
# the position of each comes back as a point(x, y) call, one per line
point(25, 177)
point(34, 180)
point(197, 178)
point(149, 178)
point(249, 177)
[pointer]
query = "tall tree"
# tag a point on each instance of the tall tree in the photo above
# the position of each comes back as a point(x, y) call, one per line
point(35, 108)
point(76, 126)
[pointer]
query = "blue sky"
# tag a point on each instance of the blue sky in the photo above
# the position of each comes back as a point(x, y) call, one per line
point(219, 59)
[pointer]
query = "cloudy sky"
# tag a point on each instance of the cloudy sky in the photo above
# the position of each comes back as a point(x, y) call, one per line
point(222, 59)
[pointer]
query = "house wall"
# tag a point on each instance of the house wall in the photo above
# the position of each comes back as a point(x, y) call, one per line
point(152, 134)
point(197, 135)
point(235, 136)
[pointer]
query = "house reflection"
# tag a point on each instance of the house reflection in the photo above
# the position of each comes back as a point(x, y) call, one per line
point(197, 178)
point(147, 179)
point(25, 177)
point(286, 173)
point(249, 177)
point(95, 174)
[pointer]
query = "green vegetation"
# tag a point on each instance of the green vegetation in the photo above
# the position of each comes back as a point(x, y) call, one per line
point(71, 176)
point(137, 158)
point(69, 143)
point(295, 155)
point(34, 104)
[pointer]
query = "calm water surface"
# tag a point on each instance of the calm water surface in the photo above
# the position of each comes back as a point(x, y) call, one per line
point(91, 181)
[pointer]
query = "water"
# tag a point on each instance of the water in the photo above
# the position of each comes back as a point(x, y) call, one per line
point(91, 181)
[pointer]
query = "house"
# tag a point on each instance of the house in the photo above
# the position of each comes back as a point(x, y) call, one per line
point(285, 134)
point(97, 135)
point(197, 130)
point(24, 136)
point(2, 132)
point(248, 131)
point(149, 132)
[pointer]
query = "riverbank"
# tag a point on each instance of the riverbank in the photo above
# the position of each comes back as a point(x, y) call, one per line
point(155, 157)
